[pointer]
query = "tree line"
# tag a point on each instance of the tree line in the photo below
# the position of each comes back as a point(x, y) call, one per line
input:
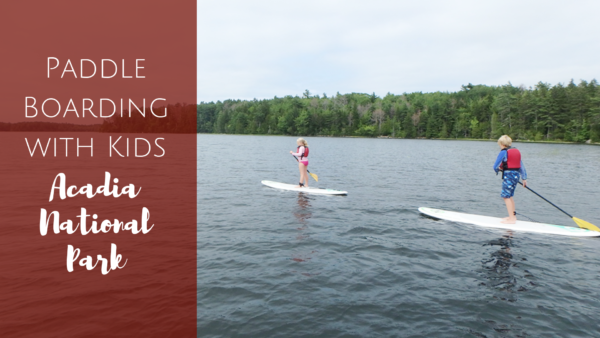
point(179, 118)
point(540, 113)
point(47, 126)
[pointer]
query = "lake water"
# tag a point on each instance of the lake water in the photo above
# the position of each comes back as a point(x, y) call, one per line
point(277, 263)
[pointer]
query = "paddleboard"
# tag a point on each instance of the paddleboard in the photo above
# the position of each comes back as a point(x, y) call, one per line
point(494, 222)
point(294, 187)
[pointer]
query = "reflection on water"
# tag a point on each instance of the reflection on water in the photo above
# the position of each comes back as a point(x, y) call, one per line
point(303, 214)
point(506, 280)
point(500, 270)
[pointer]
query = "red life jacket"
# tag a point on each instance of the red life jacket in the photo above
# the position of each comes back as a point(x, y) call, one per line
point(513, 159)
point(305, 154)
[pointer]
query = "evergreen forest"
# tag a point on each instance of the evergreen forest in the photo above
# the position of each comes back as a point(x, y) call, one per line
point(544, 112)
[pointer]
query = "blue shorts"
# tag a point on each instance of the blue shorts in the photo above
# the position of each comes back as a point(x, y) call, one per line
point(509, 183)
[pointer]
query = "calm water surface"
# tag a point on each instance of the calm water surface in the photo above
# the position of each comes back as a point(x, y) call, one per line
point(277, 263)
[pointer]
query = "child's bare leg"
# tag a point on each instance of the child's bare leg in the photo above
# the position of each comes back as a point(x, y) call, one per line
point(305, 172)
point(301, 174)
point(510, 207)
point(506, 201)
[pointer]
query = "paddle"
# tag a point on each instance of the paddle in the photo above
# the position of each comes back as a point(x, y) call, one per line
point(311, 174)
point(581, 223)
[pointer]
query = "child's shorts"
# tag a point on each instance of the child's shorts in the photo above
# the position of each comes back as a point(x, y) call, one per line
point(509, 183)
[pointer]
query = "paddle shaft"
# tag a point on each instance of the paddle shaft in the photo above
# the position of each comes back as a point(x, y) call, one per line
point(542, 197)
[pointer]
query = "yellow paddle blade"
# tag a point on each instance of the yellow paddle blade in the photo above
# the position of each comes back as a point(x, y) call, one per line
point(317, 179)
point(586, 225)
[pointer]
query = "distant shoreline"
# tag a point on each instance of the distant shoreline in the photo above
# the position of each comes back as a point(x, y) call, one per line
point(419, 138)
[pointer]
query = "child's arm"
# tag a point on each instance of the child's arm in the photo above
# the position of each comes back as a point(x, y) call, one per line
point(299, 153)
point(523, 172)
point(499, 161)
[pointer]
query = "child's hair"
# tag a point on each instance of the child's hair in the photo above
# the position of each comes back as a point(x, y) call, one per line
point(303, 141)
point(505, 140)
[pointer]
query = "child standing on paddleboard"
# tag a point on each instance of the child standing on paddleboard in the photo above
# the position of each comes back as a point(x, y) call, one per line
point(509, 162)
point(301, 155)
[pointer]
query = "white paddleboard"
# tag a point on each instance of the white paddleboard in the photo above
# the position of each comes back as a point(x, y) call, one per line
point(294, 187)
point(494, 222)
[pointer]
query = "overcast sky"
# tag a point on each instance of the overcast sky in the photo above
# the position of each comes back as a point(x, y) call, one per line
point(263, 48)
